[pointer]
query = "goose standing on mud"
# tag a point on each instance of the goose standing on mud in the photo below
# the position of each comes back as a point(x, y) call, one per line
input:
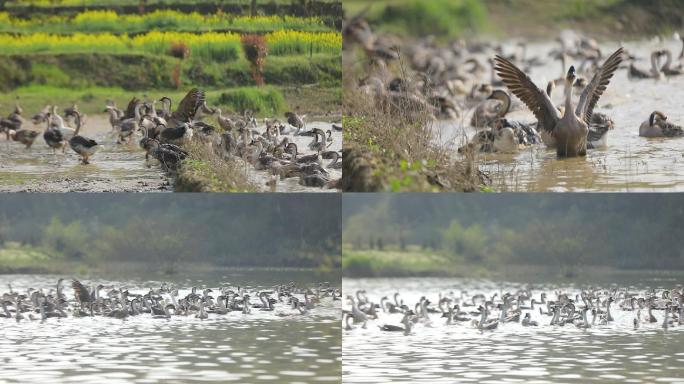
point(567, 133)
point(658, 126)
point(84, 146)
point(24, 136)
point(53, 138)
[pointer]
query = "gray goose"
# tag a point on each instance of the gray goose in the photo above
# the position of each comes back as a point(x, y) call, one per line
point(568, 133)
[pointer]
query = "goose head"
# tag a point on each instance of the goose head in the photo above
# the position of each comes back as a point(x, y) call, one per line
point(655, 116)
point(571, 76)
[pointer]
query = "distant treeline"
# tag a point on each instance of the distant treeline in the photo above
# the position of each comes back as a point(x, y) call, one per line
point(235, 230)
point(622, 231)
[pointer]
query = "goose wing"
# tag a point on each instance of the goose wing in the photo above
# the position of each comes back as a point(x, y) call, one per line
point(189, 105)
point(598, 84)
point(534, 98)
point(80, 291)
point(130, 110)
point(84, 141)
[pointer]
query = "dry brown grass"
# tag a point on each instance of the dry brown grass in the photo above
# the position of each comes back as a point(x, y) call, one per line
point(206, 170)
point(390, 145)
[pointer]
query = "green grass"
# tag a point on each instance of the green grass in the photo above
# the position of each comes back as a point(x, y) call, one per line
point(395, 263)
point(142, 72)
point(263, 100)
point(442, 18)
point(80, 3)
point(159, 20)
point(18, 257)
point(33, 98)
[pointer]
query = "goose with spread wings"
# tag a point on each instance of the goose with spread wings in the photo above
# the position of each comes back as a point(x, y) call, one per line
point(187, 108)
point(567, 133)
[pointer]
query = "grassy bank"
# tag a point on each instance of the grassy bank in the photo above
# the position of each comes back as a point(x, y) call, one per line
point(264, 101)
point(395, 263)
point(613, 19)
point(141, 71)
point(206, 171)
point(391, 148)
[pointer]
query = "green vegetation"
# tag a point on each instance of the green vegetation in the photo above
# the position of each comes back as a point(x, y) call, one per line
point(209, 46)
point(159, 20)
point(505, 18)
point(91, 232)
point(263, 100)
point(442, 18)
point(410, 234)
point(81, 3)
point(397, 263)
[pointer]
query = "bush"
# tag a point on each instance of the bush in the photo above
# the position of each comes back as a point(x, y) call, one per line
point(436, 17)
point(256, 51)
point(258, 100)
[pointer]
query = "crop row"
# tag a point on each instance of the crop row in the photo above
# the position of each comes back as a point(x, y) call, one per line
point(162, 20)
point(213, 46)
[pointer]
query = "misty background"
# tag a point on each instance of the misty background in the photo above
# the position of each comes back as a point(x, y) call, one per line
point(51, 233)
point(428, 234)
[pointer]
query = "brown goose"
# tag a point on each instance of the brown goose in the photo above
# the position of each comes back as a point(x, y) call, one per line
point(187, 108)
point(658, 126)
point(493, 108)
point(24, 136)
point(568, 133)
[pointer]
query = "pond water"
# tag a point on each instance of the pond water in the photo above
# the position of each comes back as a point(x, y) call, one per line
point(257, 347)
point(440, 353)
point(114, 168)
point(629, 163)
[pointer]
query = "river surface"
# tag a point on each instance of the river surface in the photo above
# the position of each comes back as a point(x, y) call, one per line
point(244, 348)
point(120, 167)
point(629, 164)
point(440, 353)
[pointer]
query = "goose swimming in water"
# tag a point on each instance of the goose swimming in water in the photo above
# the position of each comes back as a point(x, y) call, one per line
point(653, 73)
point(658, 126)
point(599, 125)
point(567, 133)
point(667, 68)
point(495, 107)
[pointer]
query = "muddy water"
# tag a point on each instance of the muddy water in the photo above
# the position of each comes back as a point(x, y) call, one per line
point(629, 163)
point(115, 168)
point(245, 348)
point(118, 167)
point(459, 353)
point(260, 178)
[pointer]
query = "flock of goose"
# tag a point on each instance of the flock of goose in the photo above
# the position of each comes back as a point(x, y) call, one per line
point(447, 82)
point(486, 313)
point(166, 133)
point(165, 302)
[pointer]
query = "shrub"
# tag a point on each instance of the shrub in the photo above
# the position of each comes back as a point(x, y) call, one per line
point(255, 50)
